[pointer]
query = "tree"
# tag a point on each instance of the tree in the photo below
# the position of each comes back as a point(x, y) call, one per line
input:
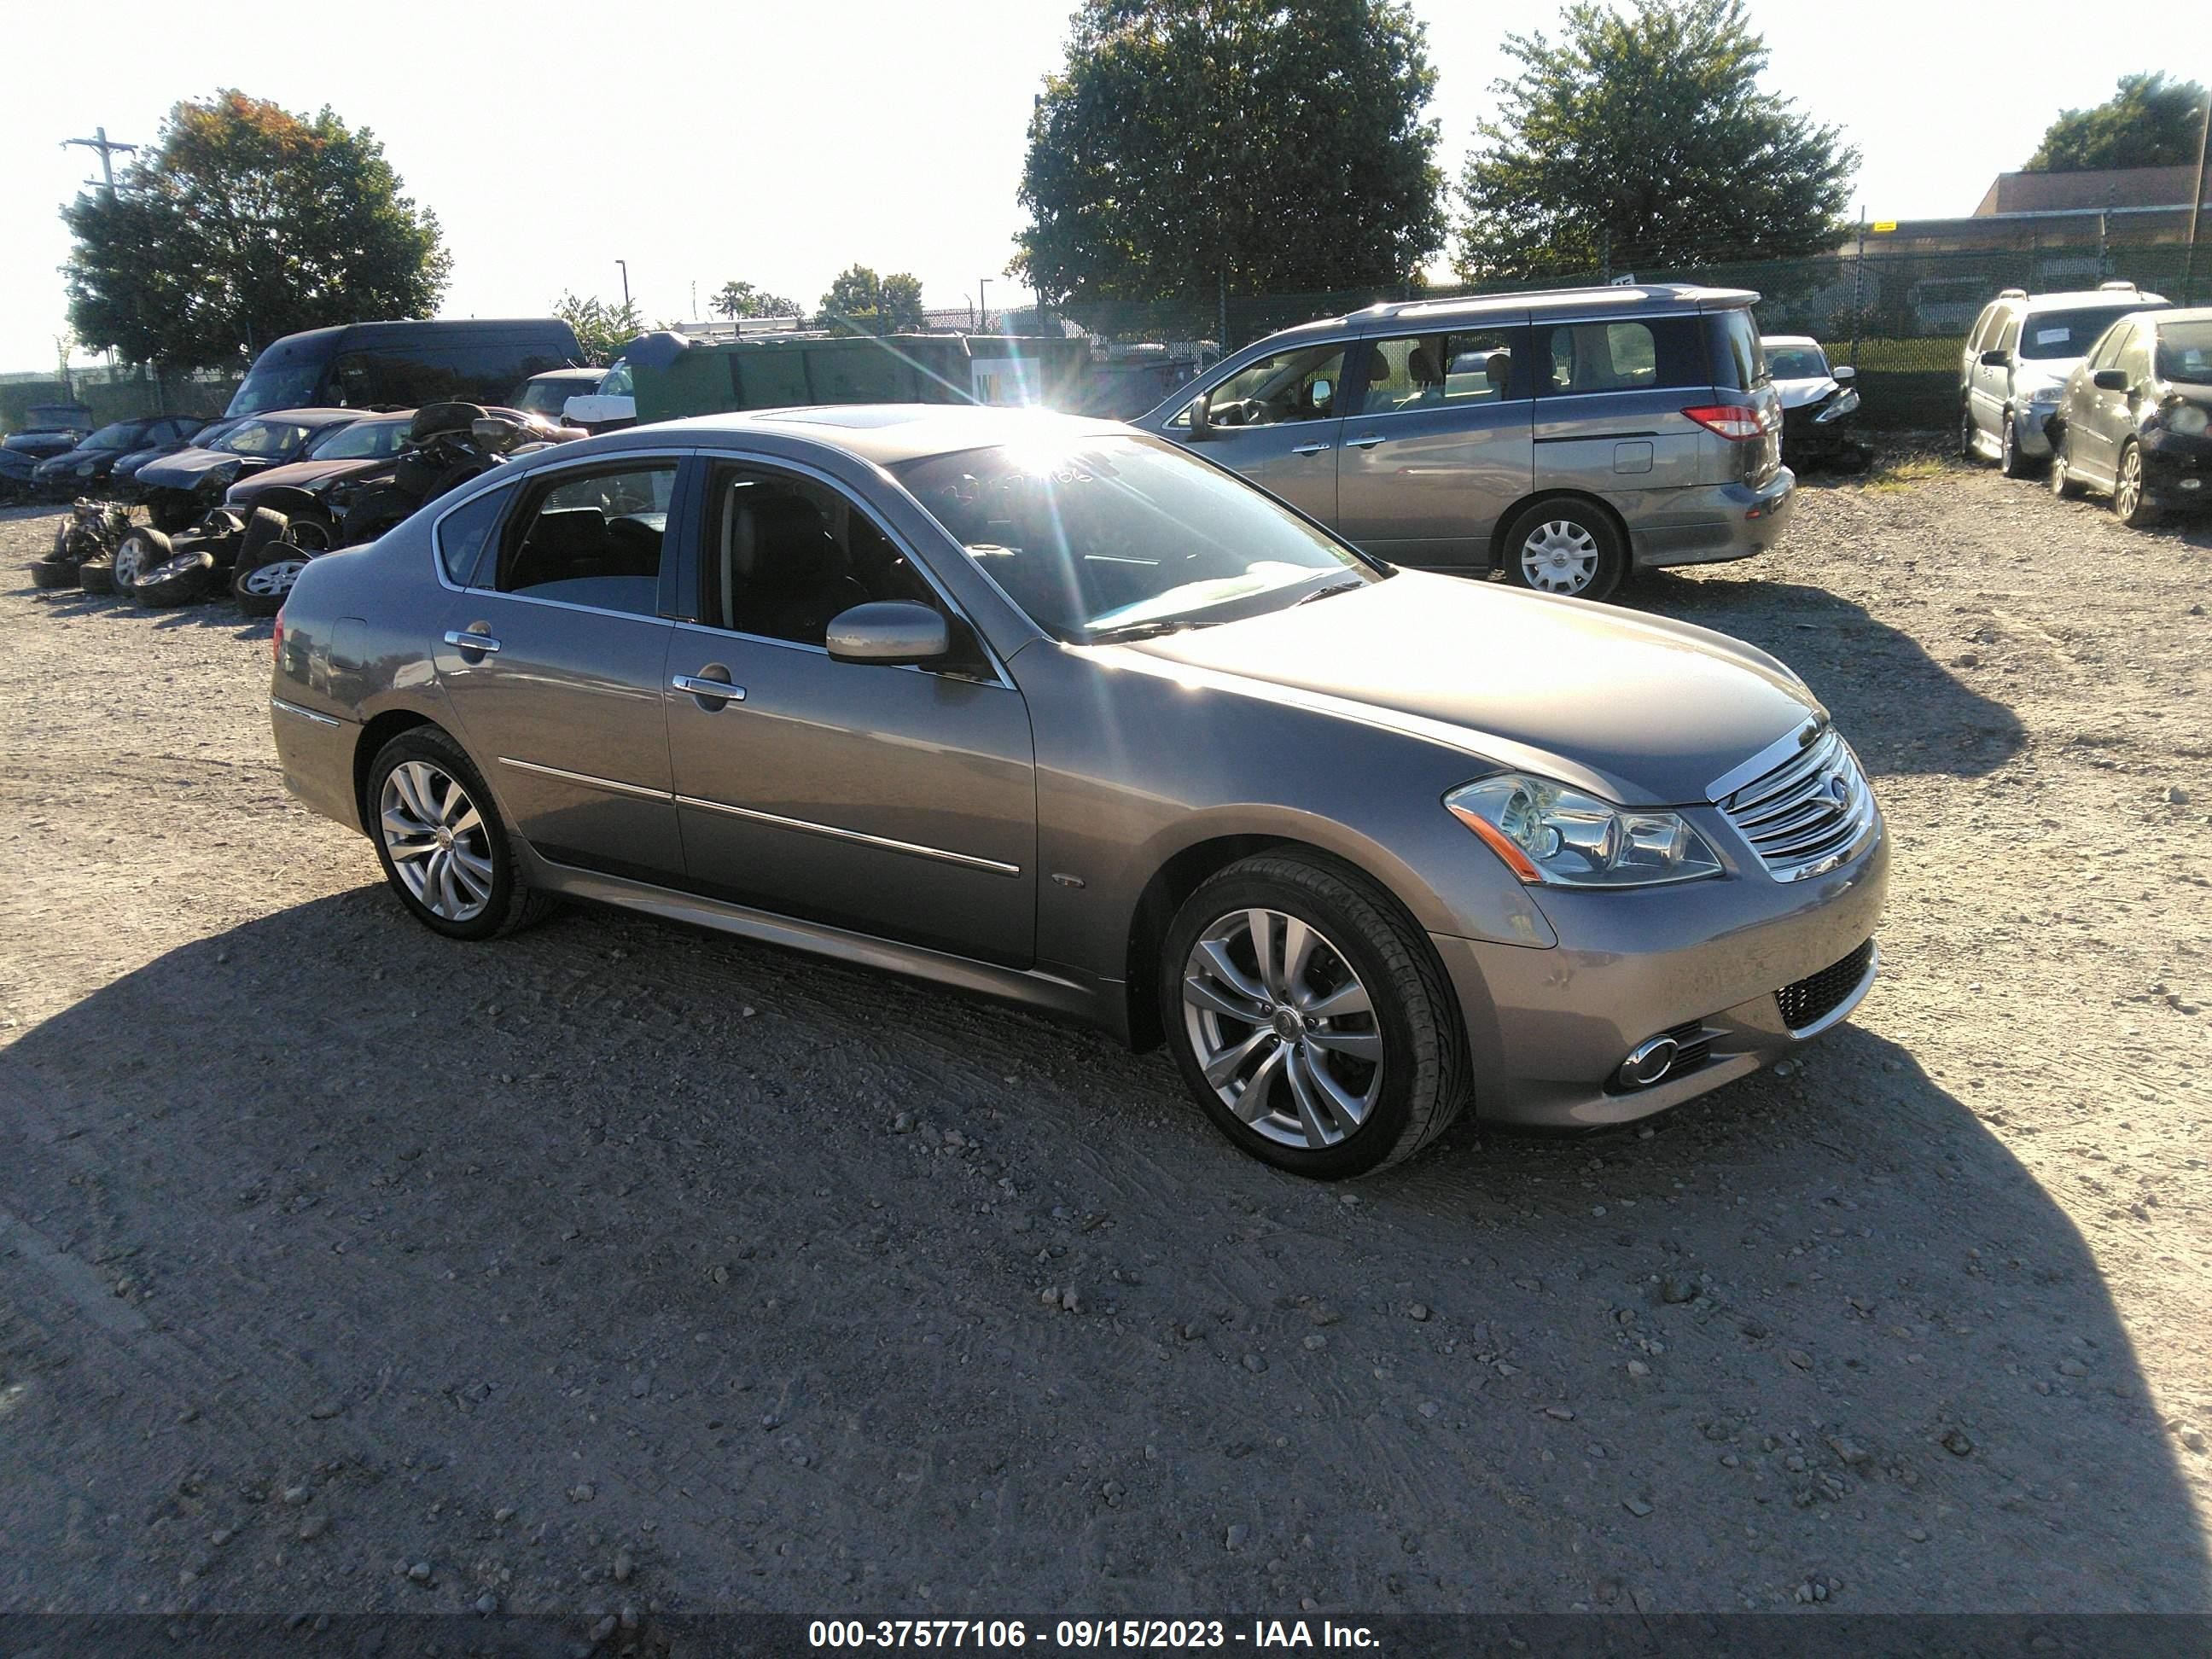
point(869, 304)
point(744, 300)
point(247, 222)
point(2150, 122)
point(1265, 144)
point(602, 328)
point(1644, 140)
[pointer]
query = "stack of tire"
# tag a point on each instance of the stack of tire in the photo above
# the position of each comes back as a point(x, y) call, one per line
point(84, 543)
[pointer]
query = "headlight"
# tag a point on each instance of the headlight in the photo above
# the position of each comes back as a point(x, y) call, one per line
point(86, 469)
point(1835, 410)
point(1554, 836)
point(2190, 420)
point(2044, 394)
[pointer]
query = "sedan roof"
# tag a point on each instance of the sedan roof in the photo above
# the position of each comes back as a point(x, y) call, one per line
point(885, 433)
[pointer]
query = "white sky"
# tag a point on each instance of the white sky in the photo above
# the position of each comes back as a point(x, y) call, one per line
point(781, 142)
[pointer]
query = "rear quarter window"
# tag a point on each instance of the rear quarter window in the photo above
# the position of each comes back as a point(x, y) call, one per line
point(464, 533)
point(1739, 364)
point(1620, 355)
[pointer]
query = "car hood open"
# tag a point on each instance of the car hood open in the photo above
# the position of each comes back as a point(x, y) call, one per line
point(1649, 711)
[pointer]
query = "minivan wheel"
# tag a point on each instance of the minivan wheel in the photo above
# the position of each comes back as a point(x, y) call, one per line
point(1967, 452)
point(2128, 489)
point(1311, 1022)
point(1566, 547)
point(440, 842)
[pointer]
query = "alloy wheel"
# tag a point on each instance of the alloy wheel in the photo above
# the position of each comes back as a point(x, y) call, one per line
point(2004, 446)
point(1283, 1030)
point(2127, 495)
point(437, 840)
point(1559, 556)
point(272, 580)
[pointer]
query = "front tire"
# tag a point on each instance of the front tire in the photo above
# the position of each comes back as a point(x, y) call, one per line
point(1311, 1021)
point(439, 838)
point(1566, 547)
point(2128, 502)
point(2010, 462)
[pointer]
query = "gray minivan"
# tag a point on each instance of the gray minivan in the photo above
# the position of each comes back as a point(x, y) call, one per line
point(1568, 437)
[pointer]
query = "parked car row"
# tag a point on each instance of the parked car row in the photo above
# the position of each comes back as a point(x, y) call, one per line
point(245, 514)
point(2108, 389)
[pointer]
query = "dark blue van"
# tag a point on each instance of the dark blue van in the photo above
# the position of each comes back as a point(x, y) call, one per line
point(405, 365)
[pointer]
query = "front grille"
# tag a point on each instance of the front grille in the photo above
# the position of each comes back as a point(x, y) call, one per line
point(1816, 996)
point(1807, 815)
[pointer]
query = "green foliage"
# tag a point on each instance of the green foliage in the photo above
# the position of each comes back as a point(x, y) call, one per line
point(2150, 122)
point(247, 223)
point(743, 299)
point(602, 328)
point(1645, 135)
point(864, 303)
point(1262, 143)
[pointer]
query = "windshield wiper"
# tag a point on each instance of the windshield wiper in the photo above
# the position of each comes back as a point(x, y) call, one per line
point(1146, 631)
point(1329, 591)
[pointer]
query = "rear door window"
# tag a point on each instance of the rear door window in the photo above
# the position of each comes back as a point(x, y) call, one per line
point(463, 532)
point(1445, 371)
point(1579, 358)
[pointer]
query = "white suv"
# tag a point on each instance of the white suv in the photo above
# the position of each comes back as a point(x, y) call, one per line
point(2016, 361)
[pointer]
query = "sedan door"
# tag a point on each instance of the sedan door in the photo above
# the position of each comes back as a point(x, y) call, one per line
point(1440, 445)
point(554, 658)
point(1275, 422)
point(896, 801)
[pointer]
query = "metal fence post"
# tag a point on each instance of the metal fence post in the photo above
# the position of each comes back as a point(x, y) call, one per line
point(1858, 288)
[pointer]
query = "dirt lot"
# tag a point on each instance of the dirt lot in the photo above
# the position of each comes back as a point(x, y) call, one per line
point(342, 1268)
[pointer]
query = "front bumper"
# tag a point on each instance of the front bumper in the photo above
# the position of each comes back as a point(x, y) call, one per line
point(2028, 434)
point(1547, 1029)
point(1711, 524)
point(2177, 470)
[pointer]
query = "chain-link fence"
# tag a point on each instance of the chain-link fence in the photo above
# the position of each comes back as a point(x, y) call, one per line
point(121, 394)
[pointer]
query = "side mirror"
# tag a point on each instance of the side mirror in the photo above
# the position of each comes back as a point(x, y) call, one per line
point(1996, 360)
point(2110, 380)
point(891, 631)
point(1843, 373)
point(1201, 421)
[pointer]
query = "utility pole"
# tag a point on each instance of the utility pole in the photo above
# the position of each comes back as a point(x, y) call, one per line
point(2196, 208)
point(1859, 287)
point(625, 264)
point(983, 303)
point(108, 149)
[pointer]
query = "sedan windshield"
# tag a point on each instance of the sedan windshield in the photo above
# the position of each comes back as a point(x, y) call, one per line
point(1096, 537)
point(2184, 351)
point(1796, 363)
point(263, 438)
point(2068, 334)
point(123, 434)
point(362, 441)
point(552, 397)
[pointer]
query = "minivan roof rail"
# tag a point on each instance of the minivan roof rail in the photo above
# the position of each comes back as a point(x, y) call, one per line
point(2118, 286)
point(2012, 293)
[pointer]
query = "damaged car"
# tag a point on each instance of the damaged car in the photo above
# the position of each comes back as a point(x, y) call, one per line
point(181, 488)
point(1820, 405)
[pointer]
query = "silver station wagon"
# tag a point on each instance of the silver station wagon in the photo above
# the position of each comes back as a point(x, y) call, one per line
point(1056, 710)
point(1567, 438)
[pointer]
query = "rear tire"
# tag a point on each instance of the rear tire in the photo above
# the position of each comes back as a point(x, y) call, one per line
point(478, 886)
point(139, 551)
point(1347, 1030)
point(1566, 547)
point(1968, 433)
point(2064, 485)
point(2128, 502)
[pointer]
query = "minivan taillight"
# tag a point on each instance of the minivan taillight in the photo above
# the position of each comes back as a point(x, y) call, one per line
point(1734, 421)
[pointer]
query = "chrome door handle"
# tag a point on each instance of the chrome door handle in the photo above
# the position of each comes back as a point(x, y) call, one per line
point(721, 690)
point(1368, 442)
point(1310, 449)
point(471, 642)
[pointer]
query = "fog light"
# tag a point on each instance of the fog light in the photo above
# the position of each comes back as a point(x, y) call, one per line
point(2191, 483)
point(1646, 1063)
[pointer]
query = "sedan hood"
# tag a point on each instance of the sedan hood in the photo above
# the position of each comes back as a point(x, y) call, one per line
point(1796, 394)
point(1647, 711)
point(186, 468)
point(306, 475)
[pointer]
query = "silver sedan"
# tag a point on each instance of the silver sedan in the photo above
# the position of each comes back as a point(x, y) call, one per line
point(1054, 710)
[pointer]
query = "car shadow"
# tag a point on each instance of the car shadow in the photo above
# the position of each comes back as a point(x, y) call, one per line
point(840, 1291)
point(1863, 669)
point(216, 613)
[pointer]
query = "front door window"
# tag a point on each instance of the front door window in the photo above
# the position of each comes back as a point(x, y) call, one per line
point(1299, 384)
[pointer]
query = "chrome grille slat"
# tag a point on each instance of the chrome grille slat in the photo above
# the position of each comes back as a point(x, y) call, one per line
point(1807, 814)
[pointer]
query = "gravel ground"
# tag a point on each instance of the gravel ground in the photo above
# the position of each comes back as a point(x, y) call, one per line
point(623, 1266)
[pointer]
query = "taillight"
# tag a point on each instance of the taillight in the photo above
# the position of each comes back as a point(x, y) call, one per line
point(276, 640)
point(1734, 421)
